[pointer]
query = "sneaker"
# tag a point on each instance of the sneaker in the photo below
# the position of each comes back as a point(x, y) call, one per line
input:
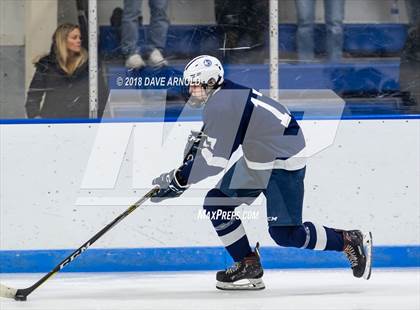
point(135, 61)
point(358, 249)
point(156, 59)
point(244, 275)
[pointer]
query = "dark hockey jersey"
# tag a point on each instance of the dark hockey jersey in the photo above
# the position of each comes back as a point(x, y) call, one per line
point(236, 115)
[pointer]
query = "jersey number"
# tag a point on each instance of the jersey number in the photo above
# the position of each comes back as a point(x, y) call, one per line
point(283, 117)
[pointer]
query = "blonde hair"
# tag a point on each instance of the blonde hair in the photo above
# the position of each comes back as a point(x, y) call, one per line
point(67, 63)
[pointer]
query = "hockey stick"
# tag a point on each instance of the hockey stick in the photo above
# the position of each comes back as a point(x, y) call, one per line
point(21, 294)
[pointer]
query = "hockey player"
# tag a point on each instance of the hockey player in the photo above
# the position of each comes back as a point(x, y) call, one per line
point(272, 164)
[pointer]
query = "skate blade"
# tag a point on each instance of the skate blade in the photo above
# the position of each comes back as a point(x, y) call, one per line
point(367, 244)
point(241, 285)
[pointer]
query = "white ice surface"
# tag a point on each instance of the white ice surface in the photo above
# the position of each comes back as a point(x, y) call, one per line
point(286, 289)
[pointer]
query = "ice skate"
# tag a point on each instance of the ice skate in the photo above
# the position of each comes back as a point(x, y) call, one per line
point(358, 249)
point(244, 275)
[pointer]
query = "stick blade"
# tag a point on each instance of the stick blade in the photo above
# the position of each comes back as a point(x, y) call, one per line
point(7, 292)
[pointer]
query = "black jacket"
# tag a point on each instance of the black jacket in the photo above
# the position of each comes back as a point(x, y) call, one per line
point(66, 96)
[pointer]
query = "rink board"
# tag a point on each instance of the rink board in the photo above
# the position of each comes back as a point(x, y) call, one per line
point(61, 183)
point(194, 258)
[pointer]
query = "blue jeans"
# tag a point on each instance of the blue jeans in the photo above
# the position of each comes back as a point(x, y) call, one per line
point(334, 15)
point(158, 29)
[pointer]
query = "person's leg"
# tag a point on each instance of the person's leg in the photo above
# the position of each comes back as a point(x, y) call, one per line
point(219, 207)
point(235, 188)
point(284, 194)
point(230, 230)
point(412, 45)
point(227, 14)
point(129, 33)
point(334, 16)
point(253, 22)
point(353, 243)
point(413, 12)
point(308, 236)
point(410, 55)
point(158, 30)
point(284, 209)
point(239, 185)
point(305, 32)
point(159, 24)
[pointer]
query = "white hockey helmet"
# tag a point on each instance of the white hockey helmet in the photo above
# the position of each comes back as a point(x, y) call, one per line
point(206, 71)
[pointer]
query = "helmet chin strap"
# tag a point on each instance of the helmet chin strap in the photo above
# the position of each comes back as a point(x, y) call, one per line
point(196, 103)
point(209, 91)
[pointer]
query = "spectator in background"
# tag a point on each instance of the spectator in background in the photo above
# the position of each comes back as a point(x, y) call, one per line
point(156, 39)
point(410, 57)
point(412, 46)
point(60, 86)
point(244, 22)
point(334, 16)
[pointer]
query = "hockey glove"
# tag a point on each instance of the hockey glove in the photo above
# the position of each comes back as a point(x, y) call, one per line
point(170, 187)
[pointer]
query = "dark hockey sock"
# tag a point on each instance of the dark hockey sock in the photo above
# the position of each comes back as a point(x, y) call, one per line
point(229, 228)
point(231, 232)
point(324, 238)
point(308, 236)
point(233, 236)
